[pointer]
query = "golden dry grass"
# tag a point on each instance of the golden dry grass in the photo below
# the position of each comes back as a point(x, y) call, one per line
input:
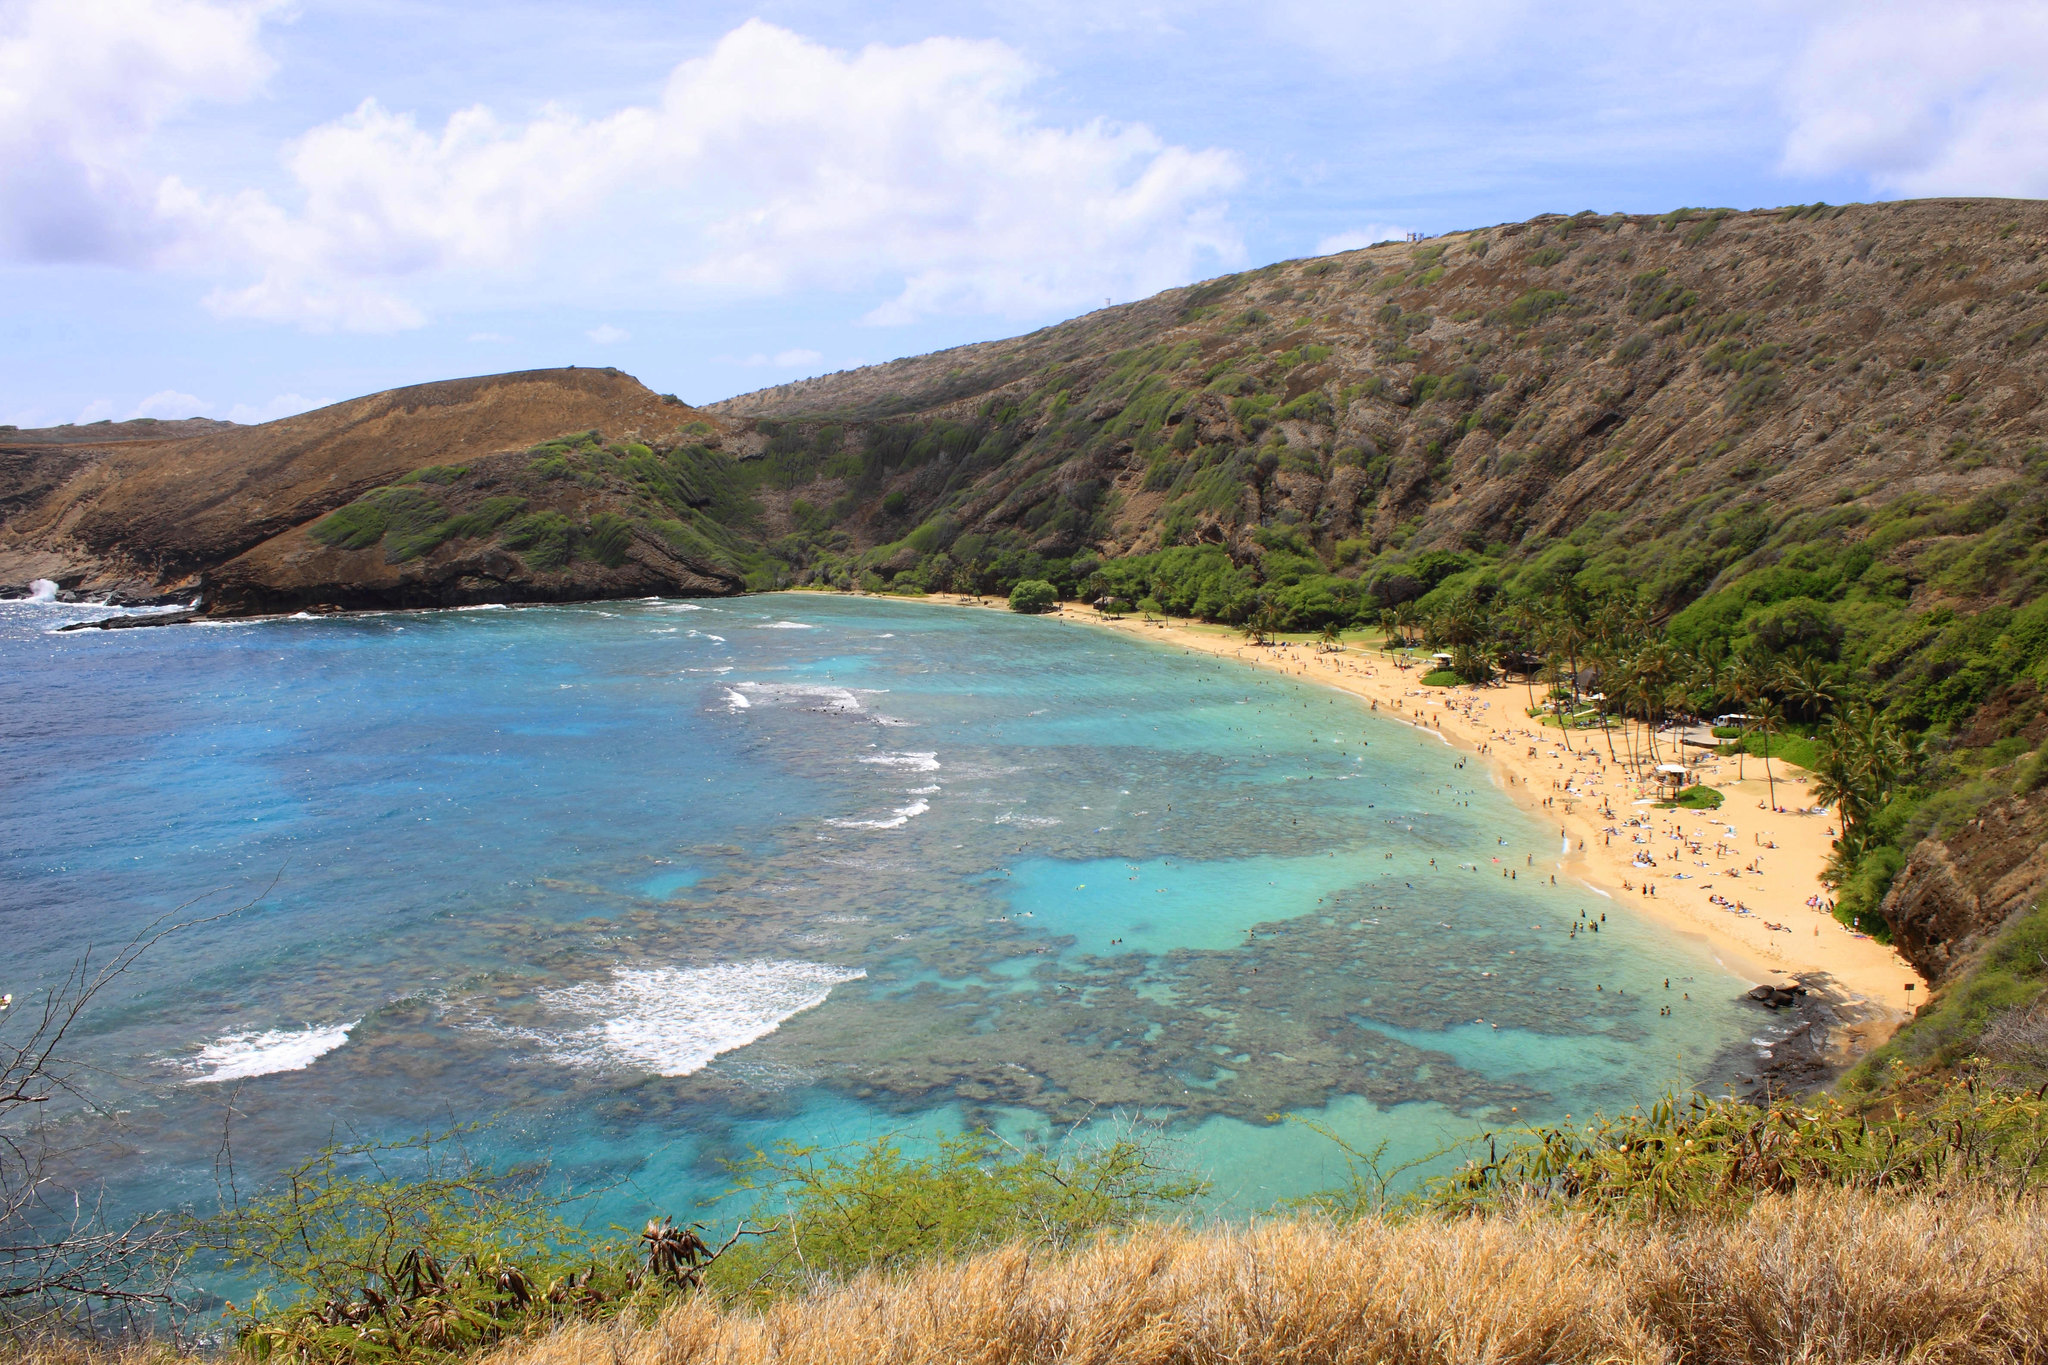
point(79, 1351)
point(1811, 1278)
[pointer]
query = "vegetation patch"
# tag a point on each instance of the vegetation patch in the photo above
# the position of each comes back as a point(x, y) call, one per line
point(1034, 596)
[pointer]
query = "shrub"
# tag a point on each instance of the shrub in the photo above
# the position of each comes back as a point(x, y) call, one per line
point(1534, 306)
point(402, 1251)
point(405, 517)
point(1442, 677)
point(1034, 596)
point(357, 526)
point(877, 1208)
point(607, 538)
point(1696, 797)
point(546, 540)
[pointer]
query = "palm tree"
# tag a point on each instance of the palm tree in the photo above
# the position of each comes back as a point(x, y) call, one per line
point(1768, 719)
point(1388, 619)
point(1332, 639)
point(1656, 668)
point(1604, 661)
point(1748, 681)
point(1527, 627)
point(1861, 762)
point(1553, 676)
point(1809, 687)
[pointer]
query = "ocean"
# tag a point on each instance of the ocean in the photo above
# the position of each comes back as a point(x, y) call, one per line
point(642, 887)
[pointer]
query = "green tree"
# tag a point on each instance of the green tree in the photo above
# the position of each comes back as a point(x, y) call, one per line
point(1034, 596)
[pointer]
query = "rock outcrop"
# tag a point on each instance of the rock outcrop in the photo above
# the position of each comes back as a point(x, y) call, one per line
point(1955, 891)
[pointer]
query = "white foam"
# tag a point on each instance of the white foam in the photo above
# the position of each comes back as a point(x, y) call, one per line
point(924, 763)
point(679, 606)
point(823, 696)
point(902, 815)
point(238, 1056)
point(42, 590)
point(785, 625)
point(1027, 821)
point(674, 1020)
point(921, 791)
point(486, 606)
point(735, 702)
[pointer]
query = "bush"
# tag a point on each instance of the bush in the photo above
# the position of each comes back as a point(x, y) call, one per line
point(1696, 797)
point(1034, 596)
point(875, 1207)
point(547, 540)
point(1443, 677)
point(607, 538)
point(357, 1263)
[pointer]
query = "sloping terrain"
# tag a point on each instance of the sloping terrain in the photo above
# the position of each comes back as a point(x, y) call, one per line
point(231, 512)
point(1788, 463)
point(1498, 388)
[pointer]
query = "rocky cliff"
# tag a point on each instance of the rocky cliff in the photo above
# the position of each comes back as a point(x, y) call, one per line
point(1958, 889)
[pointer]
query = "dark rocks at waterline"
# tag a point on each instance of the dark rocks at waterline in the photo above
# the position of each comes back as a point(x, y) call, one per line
point(161, 618)
point(1776, 997)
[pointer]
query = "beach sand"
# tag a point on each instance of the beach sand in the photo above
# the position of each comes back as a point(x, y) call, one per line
point(1767, 861)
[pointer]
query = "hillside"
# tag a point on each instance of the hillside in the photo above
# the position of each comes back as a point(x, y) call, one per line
point(1789, 463)
point(1496, 388)
point(446, 472)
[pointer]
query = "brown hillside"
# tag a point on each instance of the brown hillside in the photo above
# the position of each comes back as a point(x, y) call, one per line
point(1490, 385)
point(156, 515)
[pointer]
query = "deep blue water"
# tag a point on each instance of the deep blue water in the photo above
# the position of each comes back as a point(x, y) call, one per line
point(645, 885)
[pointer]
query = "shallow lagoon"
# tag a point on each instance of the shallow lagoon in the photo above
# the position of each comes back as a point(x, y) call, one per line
point(648, 884)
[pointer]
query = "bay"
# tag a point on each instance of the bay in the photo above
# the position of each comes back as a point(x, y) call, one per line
point(644, 886)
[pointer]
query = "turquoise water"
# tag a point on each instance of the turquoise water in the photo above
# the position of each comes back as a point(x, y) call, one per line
point(646, 885)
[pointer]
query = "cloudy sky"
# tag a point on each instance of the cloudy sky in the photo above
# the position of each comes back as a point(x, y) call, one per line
point(244, 208)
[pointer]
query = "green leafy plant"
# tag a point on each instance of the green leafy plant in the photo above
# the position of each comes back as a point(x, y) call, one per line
point(881, 1207)
point(415, 1251)
point(1034, 596)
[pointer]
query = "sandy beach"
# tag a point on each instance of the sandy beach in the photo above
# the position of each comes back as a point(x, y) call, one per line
point(1745, 878)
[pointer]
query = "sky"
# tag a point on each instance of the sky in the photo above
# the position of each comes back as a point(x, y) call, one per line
point(247, 208)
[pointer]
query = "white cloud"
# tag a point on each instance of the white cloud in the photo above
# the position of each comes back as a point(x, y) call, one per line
point(1372, 234)
point(169, 403)
point(489, 336)
point(769, 165)
point(284, 405)
point(1945, 99)
point(781, 360)
point(83, 85)
point(608, 335)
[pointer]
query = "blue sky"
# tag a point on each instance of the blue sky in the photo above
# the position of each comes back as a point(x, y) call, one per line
point(243, 208)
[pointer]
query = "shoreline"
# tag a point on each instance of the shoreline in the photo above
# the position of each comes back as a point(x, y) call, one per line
point(1780, 939)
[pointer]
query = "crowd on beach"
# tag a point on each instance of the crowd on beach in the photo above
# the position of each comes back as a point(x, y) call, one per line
point(1751, 914)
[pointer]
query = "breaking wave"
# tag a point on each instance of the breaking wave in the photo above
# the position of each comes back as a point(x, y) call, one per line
point(674, 1020)
point(238, 1056)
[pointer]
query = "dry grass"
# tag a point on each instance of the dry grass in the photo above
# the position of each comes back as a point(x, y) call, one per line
point(79, 1351)
point(1823, 1277)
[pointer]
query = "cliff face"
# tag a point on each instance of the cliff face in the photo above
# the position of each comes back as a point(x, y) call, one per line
point(1957, 890)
